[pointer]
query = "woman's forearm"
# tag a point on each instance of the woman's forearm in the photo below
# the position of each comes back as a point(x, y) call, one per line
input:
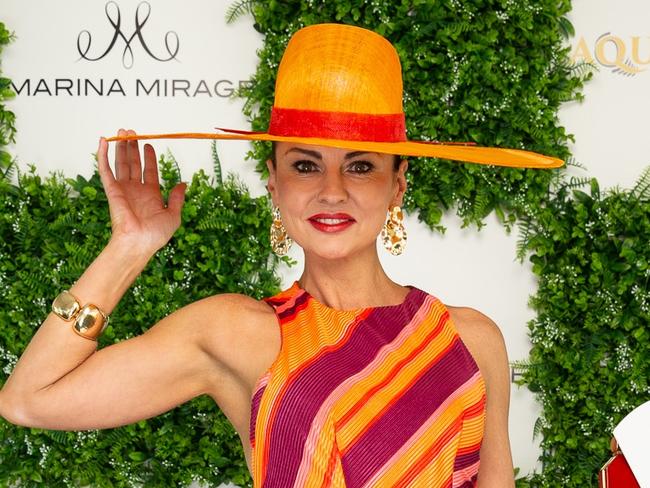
point(55, 349)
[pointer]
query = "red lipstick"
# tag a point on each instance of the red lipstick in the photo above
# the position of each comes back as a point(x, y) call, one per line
point(331, 222)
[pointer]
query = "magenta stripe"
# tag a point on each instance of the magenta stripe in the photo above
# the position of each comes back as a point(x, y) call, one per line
point(299, 304)
point(464, 460)
point(275, 302)
point(305, 395)
point(398, 424)
point(255, 406)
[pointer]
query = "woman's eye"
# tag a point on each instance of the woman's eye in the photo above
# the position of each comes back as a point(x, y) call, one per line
point(361, 166)
point(304, 166)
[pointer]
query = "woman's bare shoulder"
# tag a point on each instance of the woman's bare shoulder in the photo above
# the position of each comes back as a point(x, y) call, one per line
point(234, 315)
point(238, 304)
point(482, 337)
point(239, 331)
point(475, 325)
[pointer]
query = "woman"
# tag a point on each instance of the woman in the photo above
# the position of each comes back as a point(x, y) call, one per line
point(344, 379)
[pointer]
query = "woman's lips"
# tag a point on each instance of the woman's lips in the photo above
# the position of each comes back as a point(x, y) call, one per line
point(331, 222)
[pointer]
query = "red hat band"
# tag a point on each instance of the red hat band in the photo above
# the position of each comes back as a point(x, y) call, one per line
point(350, 126)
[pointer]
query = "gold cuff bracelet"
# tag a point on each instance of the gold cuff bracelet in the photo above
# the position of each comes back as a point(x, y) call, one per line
point(89, 320)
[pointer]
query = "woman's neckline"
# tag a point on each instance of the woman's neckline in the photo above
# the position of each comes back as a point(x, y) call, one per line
point(412, 290)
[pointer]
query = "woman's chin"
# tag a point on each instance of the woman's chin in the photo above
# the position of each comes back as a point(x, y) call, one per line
point(335, 251)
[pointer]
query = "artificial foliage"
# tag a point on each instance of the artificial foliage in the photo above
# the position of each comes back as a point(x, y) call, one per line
point(493, 72)
point(7, 117)
point(51, 230)
point(590, 358)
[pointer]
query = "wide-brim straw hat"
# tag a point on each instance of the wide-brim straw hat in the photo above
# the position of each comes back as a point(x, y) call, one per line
point(341, 85)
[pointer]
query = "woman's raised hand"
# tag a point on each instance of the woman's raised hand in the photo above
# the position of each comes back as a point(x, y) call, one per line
point(138, 213)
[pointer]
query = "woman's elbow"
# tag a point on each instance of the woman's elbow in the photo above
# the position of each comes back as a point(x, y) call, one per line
point(13, 410)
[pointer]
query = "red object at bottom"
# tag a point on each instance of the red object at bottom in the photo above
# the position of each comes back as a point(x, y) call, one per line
point(616, 473)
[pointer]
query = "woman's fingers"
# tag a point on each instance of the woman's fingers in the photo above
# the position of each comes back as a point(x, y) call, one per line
point(176, 198)
point(122, 170)
point(133, 152)
point(105, 172)
point(128, 165)
point(150, 166)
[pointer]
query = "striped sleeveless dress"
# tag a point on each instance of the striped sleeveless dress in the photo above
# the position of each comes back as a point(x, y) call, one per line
point(373, 397)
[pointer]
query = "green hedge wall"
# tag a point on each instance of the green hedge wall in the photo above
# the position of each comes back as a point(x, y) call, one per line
point(590, 357)
point(7, 118)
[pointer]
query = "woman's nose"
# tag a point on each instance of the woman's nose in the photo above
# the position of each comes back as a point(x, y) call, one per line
point(333, 189)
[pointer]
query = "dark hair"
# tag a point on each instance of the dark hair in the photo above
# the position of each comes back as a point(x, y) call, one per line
point(396, 161)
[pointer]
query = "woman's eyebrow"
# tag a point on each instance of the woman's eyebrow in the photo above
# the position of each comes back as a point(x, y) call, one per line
point(308, 152)
point(318, 155)
point(354, 154)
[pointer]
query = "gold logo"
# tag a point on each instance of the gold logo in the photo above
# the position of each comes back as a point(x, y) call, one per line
point(621, 56)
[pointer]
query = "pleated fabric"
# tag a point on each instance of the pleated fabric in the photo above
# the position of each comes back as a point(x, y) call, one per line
point(372, 397)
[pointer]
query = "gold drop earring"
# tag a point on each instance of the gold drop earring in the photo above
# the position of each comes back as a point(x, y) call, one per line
point(393, 234)
point(280, 240)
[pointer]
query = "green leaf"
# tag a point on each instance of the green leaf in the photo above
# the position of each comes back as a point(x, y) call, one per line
point(137, 456)
point(90, 192)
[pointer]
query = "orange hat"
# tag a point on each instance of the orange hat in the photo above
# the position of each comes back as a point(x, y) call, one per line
point(340, 85)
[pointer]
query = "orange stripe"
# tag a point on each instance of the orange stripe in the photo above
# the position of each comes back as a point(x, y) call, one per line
point(330, 469)
point(428, 455)
point(469, 449)
point(476, 408)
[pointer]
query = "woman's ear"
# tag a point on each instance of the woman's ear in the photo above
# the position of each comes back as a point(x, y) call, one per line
point(401, 183)
point(270, 185)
